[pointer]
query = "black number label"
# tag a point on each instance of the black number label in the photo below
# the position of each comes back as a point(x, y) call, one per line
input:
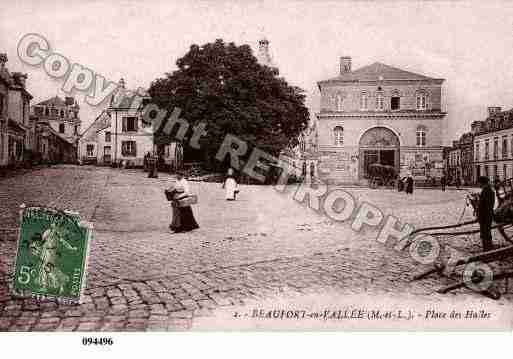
point(97, 341)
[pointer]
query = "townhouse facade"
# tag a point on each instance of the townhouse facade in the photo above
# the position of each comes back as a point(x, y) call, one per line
point(379, 114)
point(493, 145)
point(16, 131)
point(119, 136)
point(56, 124)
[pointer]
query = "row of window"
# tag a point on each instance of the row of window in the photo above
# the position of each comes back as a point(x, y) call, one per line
point(395, 102)
point(505, 152)
point(62, 129)
point(47, 111)
point(128, 149)
point(420, 136)
point(492, 172)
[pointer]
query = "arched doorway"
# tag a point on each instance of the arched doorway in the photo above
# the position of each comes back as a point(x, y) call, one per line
point(378, 145)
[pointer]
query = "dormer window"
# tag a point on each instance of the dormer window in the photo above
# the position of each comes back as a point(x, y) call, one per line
point(395, 101)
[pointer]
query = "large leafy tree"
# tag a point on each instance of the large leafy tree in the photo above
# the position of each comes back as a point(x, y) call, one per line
point(224, 86)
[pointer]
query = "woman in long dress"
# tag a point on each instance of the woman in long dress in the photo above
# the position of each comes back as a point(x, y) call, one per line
point(183, 218)
point(409, 185)
point(230, 186)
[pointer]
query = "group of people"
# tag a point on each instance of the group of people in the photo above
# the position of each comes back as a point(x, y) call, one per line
point(405, 184)
point(182, 219)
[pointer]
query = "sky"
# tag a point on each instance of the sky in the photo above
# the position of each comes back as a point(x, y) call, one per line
point(468, 43)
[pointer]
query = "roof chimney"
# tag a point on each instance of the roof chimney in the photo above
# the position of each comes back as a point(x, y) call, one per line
point(20, 78)
point(345, 64)
point(69, 101)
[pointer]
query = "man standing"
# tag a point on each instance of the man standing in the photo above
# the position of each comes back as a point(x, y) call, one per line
point(485, 212)
point(442, 182)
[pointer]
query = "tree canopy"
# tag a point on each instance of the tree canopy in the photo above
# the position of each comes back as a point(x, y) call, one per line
point(224, 86)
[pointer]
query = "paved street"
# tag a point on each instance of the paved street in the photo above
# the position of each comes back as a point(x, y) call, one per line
point(142, 277)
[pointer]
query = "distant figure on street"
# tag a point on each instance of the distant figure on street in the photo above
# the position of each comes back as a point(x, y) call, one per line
point(485, 212)
point(443, 183)
point(458, 182)
point(409, 185)
point(230, 186)
point(182, 217)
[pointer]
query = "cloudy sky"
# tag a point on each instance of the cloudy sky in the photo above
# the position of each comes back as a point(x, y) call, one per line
point(467, 43)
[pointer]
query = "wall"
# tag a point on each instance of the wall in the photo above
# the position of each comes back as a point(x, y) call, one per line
point(351, 94)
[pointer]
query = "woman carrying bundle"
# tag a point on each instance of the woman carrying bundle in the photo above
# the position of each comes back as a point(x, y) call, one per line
point(182, 218)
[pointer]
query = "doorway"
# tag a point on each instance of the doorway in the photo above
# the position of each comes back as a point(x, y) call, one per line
point(378, 145)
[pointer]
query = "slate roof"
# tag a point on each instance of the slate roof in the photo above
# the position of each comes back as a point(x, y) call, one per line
point(55, 101)
point(379, 72)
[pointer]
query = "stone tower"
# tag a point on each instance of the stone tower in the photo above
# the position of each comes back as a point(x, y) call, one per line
point(264, 57)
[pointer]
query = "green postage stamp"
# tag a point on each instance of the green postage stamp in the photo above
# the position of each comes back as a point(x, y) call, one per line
point(52, 255)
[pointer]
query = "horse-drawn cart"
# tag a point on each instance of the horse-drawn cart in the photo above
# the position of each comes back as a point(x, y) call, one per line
point(503, 218)
point(381, 175)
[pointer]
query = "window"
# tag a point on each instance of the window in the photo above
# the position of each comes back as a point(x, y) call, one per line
point(107, 136)
point(511, 146)
point(129, 124)
point(39, 111)
point(495, 147)
point(504, 147)
point(61, 128)
point(421, 101)
point(90, 150)
point(379, 102)
point(338, 133)
point(395, 103)
point(62, 113)
point(504, 172)
point(487, 150)
point(421, 136)
point(495, 173)
point(128, 149)
point(47, 111)
point(363, 101)
point(339, 102)
point(76, 130)
point(54, 112)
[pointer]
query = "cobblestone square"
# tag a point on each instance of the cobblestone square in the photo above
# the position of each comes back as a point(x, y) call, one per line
point(265, 244)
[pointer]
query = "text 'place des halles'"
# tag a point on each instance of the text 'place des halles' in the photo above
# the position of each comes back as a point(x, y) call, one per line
point(222, 189)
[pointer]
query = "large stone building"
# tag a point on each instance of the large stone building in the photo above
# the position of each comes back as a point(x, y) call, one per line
point(493, 145)
point(379, 114)
point(15, 128)
point(57, 128)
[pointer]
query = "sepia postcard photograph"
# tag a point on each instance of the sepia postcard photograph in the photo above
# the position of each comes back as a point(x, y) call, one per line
point(257, 165)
